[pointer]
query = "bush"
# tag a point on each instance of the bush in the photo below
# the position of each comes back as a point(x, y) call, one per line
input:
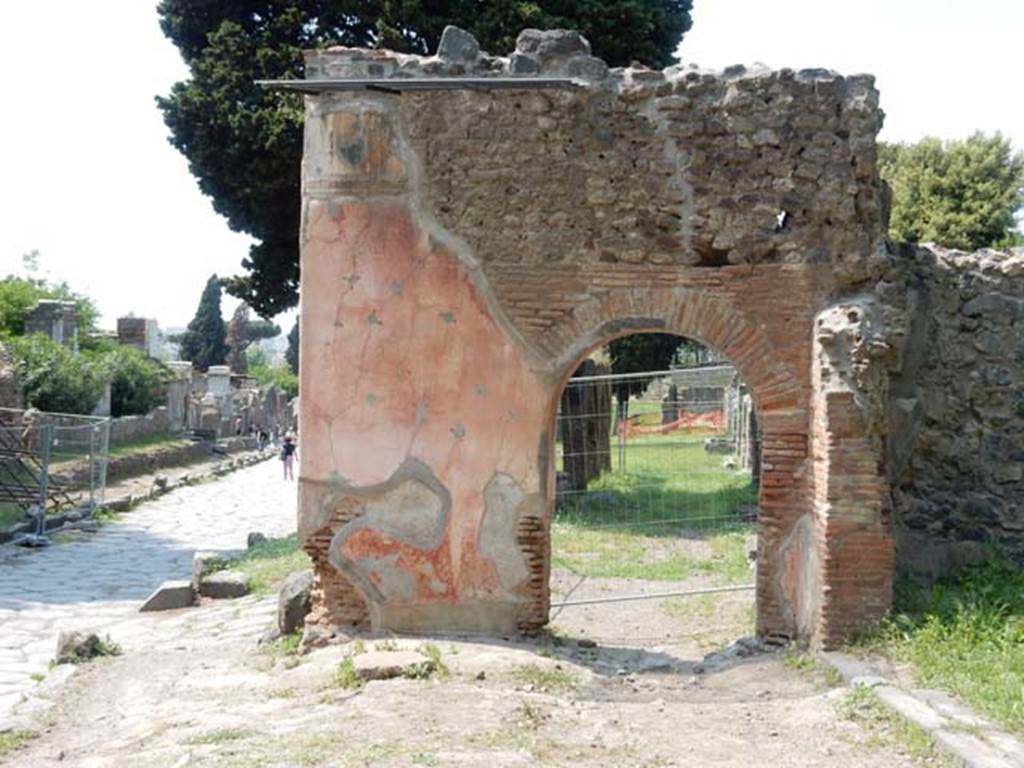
point(266, 373)
point(136, 381)
point(53, 378)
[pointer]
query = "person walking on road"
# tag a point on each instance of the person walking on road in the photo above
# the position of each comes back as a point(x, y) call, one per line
point(288, 450)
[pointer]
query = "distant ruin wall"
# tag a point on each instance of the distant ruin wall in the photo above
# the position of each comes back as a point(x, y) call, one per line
point(956, 414)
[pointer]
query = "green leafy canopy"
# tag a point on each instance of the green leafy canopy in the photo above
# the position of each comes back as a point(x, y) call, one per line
point(960, 194)
point(244, 144)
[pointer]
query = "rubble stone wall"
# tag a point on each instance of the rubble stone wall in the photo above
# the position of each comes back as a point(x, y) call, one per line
point(956, 414)
point(464, 249)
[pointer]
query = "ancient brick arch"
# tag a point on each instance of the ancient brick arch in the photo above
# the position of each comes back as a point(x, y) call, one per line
point(463, 247)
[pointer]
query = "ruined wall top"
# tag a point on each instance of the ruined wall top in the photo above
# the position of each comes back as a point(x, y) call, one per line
point(553, 53)
point(623, 166)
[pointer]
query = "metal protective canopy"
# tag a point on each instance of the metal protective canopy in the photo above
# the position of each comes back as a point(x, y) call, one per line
point(398, 85)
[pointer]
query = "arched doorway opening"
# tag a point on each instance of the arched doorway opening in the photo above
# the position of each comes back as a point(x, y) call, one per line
point(654, 521)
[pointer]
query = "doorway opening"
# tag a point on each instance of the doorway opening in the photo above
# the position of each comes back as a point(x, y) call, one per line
point(655, 522)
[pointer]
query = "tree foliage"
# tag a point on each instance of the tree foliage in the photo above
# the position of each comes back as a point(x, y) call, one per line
point(960, 194)
point(205, 341)
point(242, 332)
point(53, 378)
point(267, 374)
point(244, 144)
point(19, 294)
point(137, 383)
point(291, 355)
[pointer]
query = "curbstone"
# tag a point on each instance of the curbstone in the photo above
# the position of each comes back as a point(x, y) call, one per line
point(953, 728)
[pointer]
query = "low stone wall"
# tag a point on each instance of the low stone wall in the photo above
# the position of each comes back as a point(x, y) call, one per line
point(132, 465)
point(956, 412)
point(125, 429)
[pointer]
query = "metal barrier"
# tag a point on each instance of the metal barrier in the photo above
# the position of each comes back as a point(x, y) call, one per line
point(51, 463)
point(656, 482)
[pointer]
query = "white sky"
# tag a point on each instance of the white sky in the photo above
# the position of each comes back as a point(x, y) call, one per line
point(88, 178)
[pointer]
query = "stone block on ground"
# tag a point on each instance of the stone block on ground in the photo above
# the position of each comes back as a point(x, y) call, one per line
point(254, 538)
point(222, 585)
point(170, 595)
point(293, 601)
point(385, 665)
point(205, 563)
point(74, 646)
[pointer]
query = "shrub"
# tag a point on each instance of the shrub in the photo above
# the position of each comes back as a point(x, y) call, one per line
point(53, 378)
point(136, 381)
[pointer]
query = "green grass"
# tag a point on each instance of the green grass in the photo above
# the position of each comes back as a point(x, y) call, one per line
point(346, 677)
point(964, 634)
point(268, 563)
point(641, 521)
point(148, 444)
point(11, 515)
point(886, 729)
point(11, 741)
point(544, 678)
point(635, 554)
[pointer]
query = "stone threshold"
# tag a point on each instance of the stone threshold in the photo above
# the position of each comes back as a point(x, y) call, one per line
point(954, 729)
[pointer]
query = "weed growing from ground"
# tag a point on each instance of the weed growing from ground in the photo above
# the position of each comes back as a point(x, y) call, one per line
point(11, 741)
point(346, 677)
point(544, 678)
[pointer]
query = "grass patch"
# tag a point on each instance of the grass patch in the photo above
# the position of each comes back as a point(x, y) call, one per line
point(221, 736)
point(544, 678)
point(10, 515)
point(886, 729)
point(642, 554)
point(964, 634)
point(433, 655)
point(346, 677)
point(269, 562)
point(148, 444)
point(12, 741)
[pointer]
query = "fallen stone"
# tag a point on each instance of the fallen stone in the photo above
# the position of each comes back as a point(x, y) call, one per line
point(74, 647)
point(224, 585)
point(254, 538)
point(387, 665)
point(205, 563)
point(293, 601)
point(170, 595)
point(160, 481)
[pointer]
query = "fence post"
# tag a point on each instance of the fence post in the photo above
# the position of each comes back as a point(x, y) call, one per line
point(45, 438)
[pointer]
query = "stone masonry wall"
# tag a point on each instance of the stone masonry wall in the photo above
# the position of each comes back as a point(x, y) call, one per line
point(956, 415)
point(463, 251)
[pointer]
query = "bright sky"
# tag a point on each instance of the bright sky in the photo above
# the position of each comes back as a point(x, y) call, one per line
point(88, 178)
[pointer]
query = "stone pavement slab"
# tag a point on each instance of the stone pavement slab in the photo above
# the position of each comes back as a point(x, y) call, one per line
point(98, 581)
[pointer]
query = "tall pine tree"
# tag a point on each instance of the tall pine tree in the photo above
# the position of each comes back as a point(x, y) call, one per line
point(205, 341)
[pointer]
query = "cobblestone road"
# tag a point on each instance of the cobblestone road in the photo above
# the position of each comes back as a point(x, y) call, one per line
point(97, 581)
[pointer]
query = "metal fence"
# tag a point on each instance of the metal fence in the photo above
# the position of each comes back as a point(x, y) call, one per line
point(656, 478)
point(50, 463)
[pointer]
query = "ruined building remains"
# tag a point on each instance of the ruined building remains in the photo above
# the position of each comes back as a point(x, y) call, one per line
point(468, 239)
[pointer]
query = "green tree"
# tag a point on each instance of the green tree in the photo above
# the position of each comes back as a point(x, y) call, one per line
point(267, 374)
point(291, 354)
point(647, 352)
point(960, 194)
point(137, 383)
point(205, 341)
point(19, 294)
point(244, 144)
point(242, 332)
point(53, 378)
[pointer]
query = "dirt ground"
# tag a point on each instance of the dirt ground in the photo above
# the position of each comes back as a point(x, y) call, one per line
point(611, 685)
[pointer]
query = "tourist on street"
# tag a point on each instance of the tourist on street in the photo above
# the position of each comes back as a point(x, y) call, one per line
point(288, 457)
